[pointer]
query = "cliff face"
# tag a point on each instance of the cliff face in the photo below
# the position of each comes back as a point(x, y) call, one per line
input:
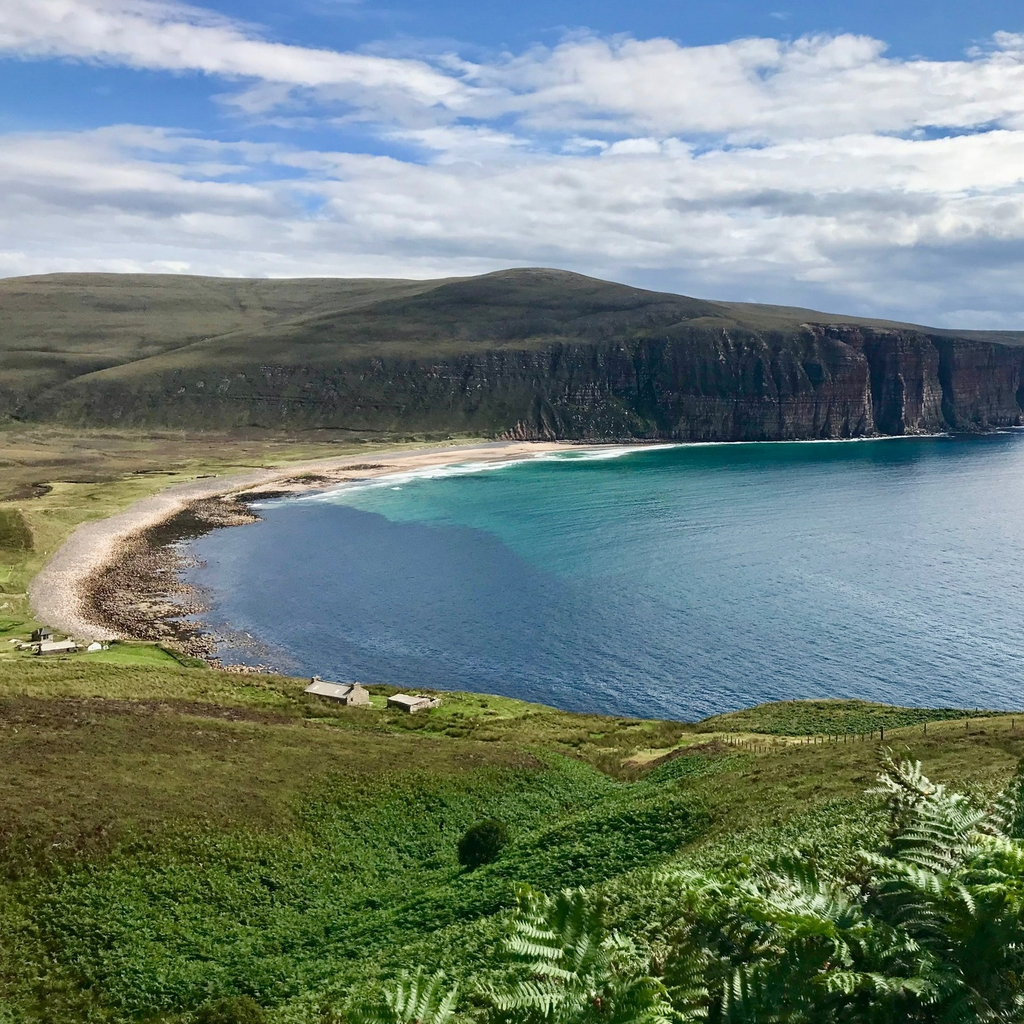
point(684, 383)
point(982, 384)
point(831, 382)
point(528, 352)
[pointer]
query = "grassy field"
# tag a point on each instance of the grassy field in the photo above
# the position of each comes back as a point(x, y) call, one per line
point(172, 835)
point(834, 718)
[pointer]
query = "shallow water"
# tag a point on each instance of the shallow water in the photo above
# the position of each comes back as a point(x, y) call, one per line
point(671, 582)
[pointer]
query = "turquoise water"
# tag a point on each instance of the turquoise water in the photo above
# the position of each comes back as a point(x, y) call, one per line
point(669, 581)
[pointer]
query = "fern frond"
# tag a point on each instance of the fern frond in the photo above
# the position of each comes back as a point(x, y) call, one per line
point(416, 998)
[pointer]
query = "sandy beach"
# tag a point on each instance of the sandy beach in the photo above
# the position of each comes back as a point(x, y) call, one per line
point(59, 594)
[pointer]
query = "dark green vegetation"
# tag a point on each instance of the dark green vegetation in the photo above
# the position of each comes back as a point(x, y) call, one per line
point(929, 927)
point(482, 843)
point(835, 717)
point(231, 1010)
point(176, 837)
point(532, 353)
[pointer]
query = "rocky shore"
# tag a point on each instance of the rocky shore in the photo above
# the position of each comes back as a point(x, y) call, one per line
point(142, 593)
point(119, 578)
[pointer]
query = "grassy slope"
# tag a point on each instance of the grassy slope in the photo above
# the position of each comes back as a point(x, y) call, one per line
point(59, 326)
point(97, 329)
point(173, 834)
point(820, 718)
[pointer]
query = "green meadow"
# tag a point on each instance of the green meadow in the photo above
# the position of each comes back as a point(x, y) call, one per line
point(176, 836)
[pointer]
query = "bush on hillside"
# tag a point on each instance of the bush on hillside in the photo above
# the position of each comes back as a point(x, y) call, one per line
point(14, 532)
point(482, 843)
point(231, 1010)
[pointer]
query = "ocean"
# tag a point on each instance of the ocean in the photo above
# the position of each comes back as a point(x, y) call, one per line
point(658, 581)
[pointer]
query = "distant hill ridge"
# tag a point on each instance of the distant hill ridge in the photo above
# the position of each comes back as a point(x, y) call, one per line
point(531, 353)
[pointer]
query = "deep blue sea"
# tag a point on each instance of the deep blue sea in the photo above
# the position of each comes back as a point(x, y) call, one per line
point(663, 581)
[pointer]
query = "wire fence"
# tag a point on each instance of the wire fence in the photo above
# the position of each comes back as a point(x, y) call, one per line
point(779, 743)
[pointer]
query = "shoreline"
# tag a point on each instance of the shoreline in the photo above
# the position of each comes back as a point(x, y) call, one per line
point(65, 593)
point(117, 578)
point(143, 593)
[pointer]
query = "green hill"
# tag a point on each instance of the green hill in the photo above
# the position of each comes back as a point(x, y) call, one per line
point(173, 836)
point(56, 327)
point(530, 352)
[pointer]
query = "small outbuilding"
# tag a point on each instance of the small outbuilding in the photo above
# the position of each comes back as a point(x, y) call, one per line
point(41, 634)
point(56, 647)
point(412, 703)
point(350, 694)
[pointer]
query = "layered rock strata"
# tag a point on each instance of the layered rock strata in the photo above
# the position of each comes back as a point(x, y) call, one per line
point(694, 384)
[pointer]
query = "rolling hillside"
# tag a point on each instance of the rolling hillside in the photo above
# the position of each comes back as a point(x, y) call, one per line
point(527, 353)
point(173, 837)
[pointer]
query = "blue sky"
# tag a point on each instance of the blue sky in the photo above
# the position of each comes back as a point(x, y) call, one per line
point(865, 158)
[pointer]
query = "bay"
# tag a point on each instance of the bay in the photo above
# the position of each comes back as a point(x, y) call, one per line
point(665, 581)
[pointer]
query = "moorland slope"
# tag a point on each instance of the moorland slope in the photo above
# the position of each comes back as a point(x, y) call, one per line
point(529, 353)
point(174, 836)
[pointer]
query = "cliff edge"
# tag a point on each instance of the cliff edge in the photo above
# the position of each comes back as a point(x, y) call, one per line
point(527, 354)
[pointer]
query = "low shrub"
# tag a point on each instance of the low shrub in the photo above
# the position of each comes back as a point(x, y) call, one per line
point(15, 534)
point(482, 843)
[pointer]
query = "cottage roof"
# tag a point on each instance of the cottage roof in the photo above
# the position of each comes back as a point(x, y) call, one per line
point(56, 646)
point(407, 700)
point(322, 688)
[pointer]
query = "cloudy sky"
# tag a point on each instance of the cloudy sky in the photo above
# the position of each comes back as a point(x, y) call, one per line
point(864, 158)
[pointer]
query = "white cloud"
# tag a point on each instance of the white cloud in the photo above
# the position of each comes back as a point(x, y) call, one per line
point(748, 89)
point(816, 171)
point(175, 37)
point(829, 222)
point(754, 89)
point(450, 144)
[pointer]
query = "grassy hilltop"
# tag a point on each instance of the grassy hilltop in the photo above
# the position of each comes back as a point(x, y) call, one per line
point(542, 351)
point(175, 836)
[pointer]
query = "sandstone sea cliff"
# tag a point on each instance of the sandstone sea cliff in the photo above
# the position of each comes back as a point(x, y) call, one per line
point(548, 355)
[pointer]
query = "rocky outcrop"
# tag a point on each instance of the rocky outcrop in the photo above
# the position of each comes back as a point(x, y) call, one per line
point(679, 383)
